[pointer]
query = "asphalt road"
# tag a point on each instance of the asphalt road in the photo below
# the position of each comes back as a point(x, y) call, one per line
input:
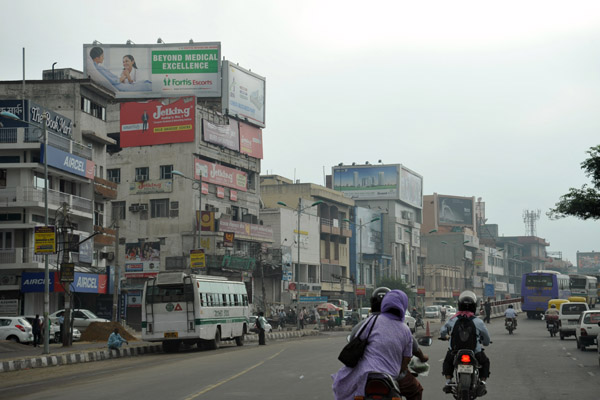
point(526, 365)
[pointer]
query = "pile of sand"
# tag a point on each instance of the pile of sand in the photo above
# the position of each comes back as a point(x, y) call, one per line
point(100, 331)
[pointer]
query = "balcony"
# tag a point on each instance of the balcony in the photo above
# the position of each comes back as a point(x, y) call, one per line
point(104, 188)
point(33, 135)
point(106, 237)
point(335, 227)
point(24, 255)
point(31, 196)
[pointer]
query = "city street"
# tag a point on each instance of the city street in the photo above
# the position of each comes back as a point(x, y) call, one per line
point(526, 365)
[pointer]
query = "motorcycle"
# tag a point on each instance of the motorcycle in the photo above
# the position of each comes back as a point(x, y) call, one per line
point(552, 324)
point(380, 386)
point(509, 324)
point(466, 377)
point(419, 321)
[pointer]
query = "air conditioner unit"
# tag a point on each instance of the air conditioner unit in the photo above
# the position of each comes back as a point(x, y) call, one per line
point(141, 178)
point(407, 215)
point(134, 207)
point(143, 207)
point(108, 256)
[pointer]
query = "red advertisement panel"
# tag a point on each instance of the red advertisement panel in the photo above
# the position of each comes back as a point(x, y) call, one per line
point(157, 122)
point(251, 141)
point(220, 175)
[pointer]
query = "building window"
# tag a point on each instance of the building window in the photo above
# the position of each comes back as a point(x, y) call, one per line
point(3, 173)
point(166, 171)
point(92, 108)
point(141, 174)
point(6, 240)
point(99, 214)
point(159, 208)
point(235, 213)
point(114, 175)
point(251, 181)
point(118, 210)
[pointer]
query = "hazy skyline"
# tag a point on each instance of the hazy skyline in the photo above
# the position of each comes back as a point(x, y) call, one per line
point(497, 101)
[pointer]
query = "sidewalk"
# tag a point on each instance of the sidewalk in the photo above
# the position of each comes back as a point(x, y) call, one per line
point(16, 356)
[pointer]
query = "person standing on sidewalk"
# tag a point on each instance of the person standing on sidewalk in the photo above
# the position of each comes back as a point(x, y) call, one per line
point(301, 317)
point(261, 322)
point(36, 329)
point(488, 310)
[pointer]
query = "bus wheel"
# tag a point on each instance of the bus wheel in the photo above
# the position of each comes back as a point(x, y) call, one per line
point(216, 342)
point(239, 340)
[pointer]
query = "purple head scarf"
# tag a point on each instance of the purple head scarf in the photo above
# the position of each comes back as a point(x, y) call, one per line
point(395, 299)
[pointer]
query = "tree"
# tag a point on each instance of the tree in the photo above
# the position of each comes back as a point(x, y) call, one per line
point(582, 203)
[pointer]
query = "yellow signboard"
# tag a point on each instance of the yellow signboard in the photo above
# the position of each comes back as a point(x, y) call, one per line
point(45, 240)
point(197, 259)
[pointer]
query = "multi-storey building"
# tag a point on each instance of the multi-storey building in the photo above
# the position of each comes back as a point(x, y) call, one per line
point(330, 276)
point(77, 189)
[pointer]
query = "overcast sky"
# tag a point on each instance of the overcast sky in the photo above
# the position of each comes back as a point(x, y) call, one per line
point(493, 101)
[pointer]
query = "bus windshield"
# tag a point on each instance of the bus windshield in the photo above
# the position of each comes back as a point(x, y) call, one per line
point(538, 281)
point(169, 294)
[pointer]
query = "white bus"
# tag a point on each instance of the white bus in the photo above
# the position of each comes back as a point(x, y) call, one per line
point(584, 286)
point(193, 309)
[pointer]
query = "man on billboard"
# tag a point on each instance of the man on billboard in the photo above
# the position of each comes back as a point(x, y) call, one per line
point(102, 74)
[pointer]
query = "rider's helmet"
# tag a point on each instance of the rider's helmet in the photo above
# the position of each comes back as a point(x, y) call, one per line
point(467, 301)
point(377, 297)
point(510, 306)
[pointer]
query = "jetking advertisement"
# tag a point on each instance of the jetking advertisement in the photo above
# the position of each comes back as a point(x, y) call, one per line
point(157, 122)
point(155, 70)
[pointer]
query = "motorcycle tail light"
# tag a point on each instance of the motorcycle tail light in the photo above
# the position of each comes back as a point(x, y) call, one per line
point(465, 358)
point(375, 388)
point(20, 327)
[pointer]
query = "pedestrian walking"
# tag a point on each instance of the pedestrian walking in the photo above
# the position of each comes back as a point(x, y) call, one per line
point(36, 329)
point(260, 322)
point(488, 310)
point(301, 317)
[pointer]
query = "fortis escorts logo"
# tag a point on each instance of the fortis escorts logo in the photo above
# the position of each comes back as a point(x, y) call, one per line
point(172, 82)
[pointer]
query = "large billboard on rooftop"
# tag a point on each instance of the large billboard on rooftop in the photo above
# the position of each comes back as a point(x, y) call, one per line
point(155, 70)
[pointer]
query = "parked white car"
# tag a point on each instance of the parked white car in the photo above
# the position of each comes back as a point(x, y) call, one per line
point(81, 318)
point(17, 329)
point(588, 328)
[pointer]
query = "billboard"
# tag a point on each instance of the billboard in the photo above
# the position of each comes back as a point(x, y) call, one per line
point(243, 94)
point(142, 259)
point(411, 187)
point(222, 135)
point(220, 175)
point(33, 112)
point(373, 182)
point(68, 162)
point(455, 210)
point(251, 140)
point(588, 262)
point(155, 70)
point(157, 122)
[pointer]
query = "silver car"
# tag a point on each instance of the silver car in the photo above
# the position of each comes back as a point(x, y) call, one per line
point(81, 318)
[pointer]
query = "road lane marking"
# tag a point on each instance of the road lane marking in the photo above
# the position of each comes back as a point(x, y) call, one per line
point(211, 387)
point(591, 373)
point(574, 358)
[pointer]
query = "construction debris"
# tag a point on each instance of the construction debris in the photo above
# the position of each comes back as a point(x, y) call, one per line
point(100, 331)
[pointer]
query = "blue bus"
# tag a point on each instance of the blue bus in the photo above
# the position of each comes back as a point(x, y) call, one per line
point(540, 286)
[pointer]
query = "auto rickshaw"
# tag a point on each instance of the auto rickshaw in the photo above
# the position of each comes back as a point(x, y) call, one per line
point(557, 302)
point(329, 315)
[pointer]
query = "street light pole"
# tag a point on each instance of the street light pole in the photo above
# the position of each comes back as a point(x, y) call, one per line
point(198, 230)
point(12, 116)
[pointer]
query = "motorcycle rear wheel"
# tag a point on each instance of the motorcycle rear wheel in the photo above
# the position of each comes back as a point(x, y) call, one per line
point(464, 387)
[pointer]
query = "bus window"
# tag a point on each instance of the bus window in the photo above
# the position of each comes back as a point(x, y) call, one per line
point(235, 300)
point(225, 302)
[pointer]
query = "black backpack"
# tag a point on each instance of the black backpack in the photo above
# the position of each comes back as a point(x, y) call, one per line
point(464, 334)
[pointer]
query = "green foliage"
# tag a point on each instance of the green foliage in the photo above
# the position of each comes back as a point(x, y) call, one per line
point(582, 203)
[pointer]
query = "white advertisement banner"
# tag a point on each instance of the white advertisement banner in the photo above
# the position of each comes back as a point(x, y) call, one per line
point(243, 94)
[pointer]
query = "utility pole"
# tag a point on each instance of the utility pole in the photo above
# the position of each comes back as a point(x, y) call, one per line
point(67, 334)
point(117, 274)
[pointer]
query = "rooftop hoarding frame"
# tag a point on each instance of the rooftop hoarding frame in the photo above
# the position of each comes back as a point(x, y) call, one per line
point(159, 70)
point(411, 187)
point(455, 210)
point(368, 182)
point(243, 94)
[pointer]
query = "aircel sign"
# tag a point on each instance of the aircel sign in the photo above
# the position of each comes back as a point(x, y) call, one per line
point(68, 162)
point(83, 283)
